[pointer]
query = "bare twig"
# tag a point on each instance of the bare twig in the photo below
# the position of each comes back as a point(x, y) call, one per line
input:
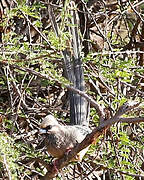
point(137, 13)
point(133, 87)
point(30, 160)
point(7, 167)
point(120, 171)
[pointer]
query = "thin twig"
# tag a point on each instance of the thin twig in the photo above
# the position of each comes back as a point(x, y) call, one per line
point(7, 167)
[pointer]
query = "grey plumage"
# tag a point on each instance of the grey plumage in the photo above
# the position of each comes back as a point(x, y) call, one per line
point(59, 139)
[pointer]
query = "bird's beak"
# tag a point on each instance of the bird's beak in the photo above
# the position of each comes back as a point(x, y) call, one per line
point(42, 131)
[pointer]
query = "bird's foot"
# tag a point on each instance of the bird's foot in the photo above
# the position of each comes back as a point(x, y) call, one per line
point(55, 165)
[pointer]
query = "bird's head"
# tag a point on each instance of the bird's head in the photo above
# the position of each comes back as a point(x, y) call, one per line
point(49, 125)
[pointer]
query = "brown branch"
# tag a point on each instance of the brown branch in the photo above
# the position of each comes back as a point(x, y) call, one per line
point(132, 120)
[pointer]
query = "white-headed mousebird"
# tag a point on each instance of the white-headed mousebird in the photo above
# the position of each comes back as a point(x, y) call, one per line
point(60, 139)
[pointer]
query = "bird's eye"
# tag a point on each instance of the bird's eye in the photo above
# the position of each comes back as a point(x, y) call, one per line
point(48, 127)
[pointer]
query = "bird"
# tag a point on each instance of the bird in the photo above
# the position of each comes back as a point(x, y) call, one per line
point(60, 139)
